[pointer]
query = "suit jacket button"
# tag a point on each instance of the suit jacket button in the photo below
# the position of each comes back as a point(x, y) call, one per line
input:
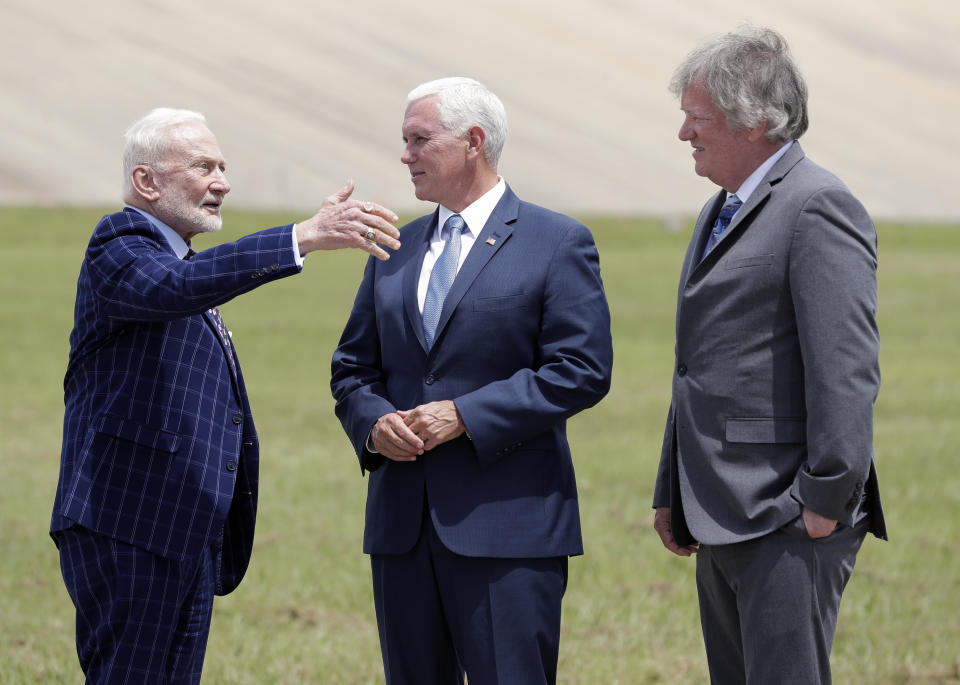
point(681, 369)
point(231, 465)
point(429, 379)
point(237, 418)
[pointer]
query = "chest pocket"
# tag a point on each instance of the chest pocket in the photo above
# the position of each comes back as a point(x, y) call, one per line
point(497, 304)
point(746, 262)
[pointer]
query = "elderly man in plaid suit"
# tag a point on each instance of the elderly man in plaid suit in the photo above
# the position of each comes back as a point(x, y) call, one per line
point(156, 502)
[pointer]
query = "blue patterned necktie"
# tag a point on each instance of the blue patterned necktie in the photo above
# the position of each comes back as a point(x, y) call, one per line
point(218, 322)
point(441, 278)
point(729, 208)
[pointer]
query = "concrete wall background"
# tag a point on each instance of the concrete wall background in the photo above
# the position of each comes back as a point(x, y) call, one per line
point(304, 94)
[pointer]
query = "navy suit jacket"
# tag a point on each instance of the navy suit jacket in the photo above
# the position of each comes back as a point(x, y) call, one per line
point(523, 343)
point(159, 446)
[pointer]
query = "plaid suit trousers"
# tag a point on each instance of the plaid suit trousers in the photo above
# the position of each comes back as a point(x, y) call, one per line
point(141, 618)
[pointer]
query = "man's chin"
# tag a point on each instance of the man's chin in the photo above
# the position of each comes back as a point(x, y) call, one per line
point(209, 223)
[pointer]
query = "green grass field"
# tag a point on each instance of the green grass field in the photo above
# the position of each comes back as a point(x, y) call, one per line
point(304, 613)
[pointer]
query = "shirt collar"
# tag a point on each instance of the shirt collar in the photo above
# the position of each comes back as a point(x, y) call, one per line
point(176, 242)
point(753, 180)
point(476, 215)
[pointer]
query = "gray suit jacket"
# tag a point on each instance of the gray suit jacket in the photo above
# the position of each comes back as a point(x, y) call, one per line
point(776, 364)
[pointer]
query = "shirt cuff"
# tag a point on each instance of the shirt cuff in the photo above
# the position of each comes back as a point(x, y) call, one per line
point(297, 257)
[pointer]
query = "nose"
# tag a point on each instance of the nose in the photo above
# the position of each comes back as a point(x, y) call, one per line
point(220, 184)
point(406, 157)
point(686, 130)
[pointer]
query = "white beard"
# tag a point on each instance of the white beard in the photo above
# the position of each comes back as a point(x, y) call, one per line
point(176, 211)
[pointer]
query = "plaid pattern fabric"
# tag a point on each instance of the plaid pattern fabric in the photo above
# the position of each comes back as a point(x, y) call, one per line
point(158, 443)
point(140, 618)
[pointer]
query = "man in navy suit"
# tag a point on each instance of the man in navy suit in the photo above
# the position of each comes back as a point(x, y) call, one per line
point(156, 502)
point(461, 361)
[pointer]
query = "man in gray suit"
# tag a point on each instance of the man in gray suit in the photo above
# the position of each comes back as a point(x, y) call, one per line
point(767, 467)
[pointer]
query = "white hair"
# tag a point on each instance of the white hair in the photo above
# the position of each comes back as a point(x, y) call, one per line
point(463, 103)
point(147, 140)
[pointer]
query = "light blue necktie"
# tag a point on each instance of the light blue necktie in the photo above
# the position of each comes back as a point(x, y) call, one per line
point(441, 278)
point(729, 208)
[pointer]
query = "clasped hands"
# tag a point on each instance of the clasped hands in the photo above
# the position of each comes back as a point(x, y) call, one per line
point(404, 435)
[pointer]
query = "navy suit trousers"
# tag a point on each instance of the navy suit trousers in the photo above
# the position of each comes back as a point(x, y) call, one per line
point(141, 618)
point(441, 614)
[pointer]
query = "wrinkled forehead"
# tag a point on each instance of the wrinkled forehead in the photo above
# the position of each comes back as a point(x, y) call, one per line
point(422, 115)
point(192, 138)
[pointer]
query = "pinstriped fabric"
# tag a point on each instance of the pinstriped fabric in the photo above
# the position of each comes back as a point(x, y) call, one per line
point(157, 427)
point(160, 457)
point(140, 618)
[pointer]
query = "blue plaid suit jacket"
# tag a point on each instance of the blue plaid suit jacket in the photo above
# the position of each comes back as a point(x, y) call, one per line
point(159, 445)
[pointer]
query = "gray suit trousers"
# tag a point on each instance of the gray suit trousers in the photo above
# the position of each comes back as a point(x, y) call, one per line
point(768, 606)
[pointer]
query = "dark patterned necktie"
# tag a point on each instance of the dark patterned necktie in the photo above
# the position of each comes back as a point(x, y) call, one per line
point(220, 326)
point(729, 208)
point(441, 278)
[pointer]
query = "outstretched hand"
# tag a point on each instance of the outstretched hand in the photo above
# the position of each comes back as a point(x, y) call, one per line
point(342, 222)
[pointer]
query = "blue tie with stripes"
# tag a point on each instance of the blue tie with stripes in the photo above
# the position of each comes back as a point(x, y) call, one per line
point(729, 208)
point(441, 278)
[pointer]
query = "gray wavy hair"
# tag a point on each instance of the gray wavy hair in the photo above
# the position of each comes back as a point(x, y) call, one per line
point(147, 140)
point(464, 103)
point(750, 75)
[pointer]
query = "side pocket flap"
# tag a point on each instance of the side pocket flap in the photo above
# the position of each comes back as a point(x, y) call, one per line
point(766, 430)
point(132, 431)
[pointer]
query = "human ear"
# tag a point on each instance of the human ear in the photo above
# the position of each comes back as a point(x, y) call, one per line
point(476, 137)
point(757, 132)
point(145, 184)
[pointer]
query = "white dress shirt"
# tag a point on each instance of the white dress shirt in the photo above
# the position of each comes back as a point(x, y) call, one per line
point(753, 180)
point(475, 217)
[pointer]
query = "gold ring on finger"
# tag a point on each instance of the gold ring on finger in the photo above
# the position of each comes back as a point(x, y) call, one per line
point(370, 235)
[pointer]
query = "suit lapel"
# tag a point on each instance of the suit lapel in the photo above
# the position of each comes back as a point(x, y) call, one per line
point(492, 237)
point(700, 233)
point(227, 353)
point(741, 218)
point(411, 275)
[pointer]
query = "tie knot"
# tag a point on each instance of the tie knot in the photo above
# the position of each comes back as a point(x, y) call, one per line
point(730, 208)
point(455, 223)
point(190, 253)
